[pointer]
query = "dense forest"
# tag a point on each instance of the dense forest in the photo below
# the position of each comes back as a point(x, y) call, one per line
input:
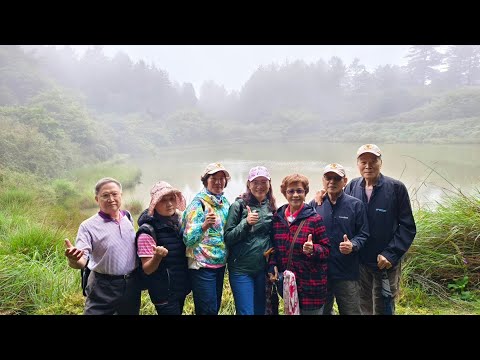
point(59, 110)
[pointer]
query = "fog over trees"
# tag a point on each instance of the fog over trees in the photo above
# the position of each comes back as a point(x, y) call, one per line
point(59, 109)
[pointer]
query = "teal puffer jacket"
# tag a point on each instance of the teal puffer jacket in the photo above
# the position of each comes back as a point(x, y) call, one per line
point(246, 246)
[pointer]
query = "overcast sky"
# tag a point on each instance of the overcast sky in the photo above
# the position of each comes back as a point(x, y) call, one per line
point(232, 65)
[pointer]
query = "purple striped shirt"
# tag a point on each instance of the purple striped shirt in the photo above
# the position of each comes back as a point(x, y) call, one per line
point(110, 244)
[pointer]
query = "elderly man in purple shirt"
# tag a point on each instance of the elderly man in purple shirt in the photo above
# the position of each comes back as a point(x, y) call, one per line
point(106, 244)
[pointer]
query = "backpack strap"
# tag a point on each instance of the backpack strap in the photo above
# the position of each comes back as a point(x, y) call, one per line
point(241, 202)
point(129, 216)
point(203, 204)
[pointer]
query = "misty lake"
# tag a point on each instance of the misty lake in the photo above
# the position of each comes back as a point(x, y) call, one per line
point(183, 166)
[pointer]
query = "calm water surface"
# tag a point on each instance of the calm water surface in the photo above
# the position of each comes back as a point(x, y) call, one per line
point(182, 167)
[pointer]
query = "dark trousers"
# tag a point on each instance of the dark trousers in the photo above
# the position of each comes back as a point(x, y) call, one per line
point(112, 296)
point(347, 295)
point(207, 288)
point(371, 300)
point(173, 306)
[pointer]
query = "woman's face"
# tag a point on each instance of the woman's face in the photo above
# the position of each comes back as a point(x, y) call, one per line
point(259, 187)
point(167, 206)
point(216, 183)
point(295, 194)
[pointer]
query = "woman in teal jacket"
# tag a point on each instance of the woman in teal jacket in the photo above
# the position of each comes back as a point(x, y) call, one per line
point(247, 237)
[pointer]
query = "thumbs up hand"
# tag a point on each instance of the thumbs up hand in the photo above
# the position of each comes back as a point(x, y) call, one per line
point(210, 220)
point(346, 245)
point(308, 245)
point(252, 217)
point(71, 252)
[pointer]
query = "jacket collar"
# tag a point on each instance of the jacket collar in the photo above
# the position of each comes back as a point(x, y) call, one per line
point(306, 212)
point(380, 181)
point(339, 199)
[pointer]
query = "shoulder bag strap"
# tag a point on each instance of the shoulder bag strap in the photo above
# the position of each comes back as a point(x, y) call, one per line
point(293, 243)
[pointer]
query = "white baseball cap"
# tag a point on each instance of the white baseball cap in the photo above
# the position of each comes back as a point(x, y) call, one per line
point(369, 148)
point(335, 168)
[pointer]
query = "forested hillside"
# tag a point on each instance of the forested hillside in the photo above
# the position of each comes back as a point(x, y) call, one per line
point(59, 110)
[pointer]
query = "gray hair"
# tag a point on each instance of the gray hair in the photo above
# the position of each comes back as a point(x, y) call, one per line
point(104, 181)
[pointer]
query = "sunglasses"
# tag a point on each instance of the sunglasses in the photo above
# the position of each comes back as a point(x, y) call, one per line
point(293, 191)
point(335, 178)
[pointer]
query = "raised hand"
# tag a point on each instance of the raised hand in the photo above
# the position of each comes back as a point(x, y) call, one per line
point(210, 220)
point(319, 196)
point(252, 217)
point(71, 252)
point(308, 245)
point(346, 245)
point(159, 251)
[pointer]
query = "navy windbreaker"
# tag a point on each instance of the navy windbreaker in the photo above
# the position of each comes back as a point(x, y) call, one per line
point(347, 216)
point(390, 219)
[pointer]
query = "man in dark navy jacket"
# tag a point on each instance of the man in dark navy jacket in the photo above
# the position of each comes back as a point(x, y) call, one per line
point(346, 222)
point(391, 226)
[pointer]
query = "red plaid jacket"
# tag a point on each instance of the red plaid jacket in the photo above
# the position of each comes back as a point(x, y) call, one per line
point(310, 270)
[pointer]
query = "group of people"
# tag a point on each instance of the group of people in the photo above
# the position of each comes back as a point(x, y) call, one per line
point(337, 247)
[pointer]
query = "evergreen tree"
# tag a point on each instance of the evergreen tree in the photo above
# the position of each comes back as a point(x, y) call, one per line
point(422, 62)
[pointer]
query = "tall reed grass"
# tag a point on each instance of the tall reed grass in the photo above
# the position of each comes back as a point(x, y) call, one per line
point(447, 245)
point(35, 217)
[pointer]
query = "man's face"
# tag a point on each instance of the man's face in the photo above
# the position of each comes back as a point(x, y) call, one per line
point(109, 198)
point(369, 166)
point(333, 183)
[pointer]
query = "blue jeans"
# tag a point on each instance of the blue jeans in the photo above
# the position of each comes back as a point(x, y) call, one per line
point(248, 293)
point(207, 287)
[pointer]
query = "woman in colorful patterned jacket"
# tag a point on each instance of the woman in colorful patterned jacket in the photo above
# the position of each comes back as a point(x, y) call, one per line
point(307, 256)
point(202, 225)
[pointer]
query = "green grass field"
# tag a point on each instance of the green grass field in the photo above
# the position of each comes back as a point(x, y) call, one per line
point(440, 272)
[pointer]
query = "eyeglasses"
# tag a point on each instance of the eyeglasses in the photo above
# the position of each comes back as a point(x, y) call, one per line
point(106, 196)
point(293, 191)
point(332, 177)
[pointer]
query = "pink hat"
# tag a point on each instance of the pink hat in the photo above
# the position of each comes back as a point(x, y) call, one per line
point(258, 171)
point(159, 190)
